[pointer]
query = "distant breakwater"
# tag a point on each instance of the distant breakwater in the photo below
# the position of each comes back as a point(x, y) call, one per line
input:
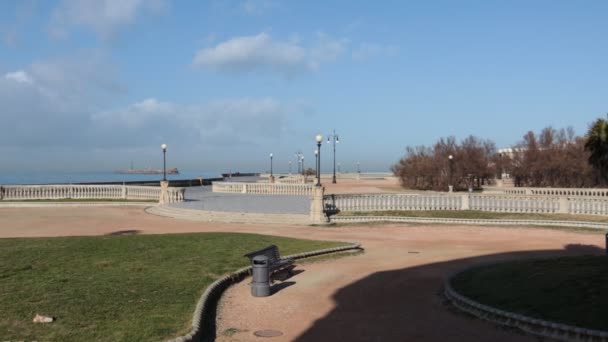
point(173, 182)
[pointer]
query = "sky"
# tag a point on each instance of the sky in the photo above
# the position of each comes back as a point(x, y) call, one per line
point(93, 85)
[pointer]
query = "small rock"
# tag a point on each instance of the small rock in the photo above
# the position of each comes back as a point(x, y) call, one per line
point(43, 319)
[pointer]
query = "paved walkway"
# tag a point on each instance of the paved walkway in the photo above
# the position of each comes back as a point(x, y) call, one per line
point(389, 293)
point(202, 198)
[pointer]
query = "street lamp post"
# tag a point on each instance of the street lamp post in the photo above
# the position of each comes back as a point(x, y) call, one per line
point(164, 148)
point(316, 163)
point(271, 174)
point(271, 165)
point(290, 167)
point(334, 139)
point(319, 139)
point(451, 167)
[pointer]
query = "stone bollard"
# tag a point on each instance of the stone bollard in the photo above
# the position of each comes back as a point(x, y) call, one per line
point(164, 192)
point(563, 205)
point(316, 204)
point(465, 202)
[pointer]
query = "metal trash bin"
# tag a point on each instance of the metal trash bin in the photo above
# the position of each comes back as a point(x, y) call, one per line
point(260, 286)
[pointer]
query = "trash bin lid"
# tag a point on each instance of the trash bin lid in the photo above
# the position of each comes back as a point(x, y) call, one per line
point(260, 260)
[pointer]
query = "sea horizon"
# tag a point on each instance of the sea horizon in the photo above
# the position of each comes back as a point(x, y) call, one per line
point(67, 177)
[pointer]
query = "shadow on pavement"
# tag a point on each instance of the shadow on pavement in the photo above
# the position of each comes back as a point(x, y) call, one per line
point(408, 305)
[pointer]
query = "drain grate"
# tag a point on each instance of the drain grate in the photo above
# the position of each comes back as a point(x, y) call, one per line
point(267, 333)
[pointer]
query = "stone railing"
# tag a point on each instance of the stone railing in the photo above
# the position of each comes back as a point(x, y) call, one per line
point(264, 188)
point(394, 202)
point(495, 203)
point(582, 192)
point(69, 191)
point(298, 179)
point(517, 204)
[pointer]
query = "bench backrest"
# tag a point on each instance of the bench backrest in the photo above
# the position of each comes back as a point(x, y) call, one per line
point(271, 252)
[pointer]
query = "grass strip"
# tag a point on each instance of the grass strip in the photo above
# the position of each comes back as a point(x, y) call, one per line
point(568, 290)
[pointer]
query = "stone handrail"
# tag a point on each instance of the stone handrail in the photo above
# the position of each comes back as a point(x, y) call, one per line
point(516, 204)
point(582, 192)
point(293, 180)
point(381, 202)
point(74, 191)
point(482, 202)
point(264, 188)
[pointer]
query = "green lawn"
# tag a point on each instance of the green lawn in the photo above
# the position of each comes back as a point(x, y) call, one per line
point(117, 288)
point(474, 214)
point(570, 290)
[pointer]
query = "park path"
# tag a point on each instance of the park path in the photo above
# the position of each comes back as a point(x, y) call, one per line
point(388, 293)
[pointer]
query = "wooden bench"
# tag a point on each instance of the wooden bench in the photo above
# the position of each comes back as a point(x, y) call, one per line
point(275, 262)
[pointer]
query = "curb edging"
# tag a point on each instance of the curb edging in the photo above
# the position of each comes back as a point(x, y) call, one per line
point(534, 326)
point(486, 222)
point(208, 300)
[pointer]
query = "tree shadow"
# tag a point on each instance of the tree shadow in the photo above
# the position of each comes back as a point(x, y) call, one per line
point(408, 305)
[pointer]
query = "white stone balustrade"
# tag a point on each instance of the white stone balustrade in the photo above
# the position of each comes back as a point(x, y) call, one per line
point(588, 206)
point(69, 191)
point(515, 203)
point(382, 202)
point(494, 203)
point(582, 192)
point(297, 179)
point(264, 188)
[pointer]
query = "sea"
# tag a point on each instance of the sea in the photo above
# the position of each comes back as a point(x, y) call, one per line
point(56, 177)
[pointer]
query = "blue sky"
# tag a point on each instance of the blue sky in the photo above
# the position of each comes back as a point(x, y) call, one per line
point(96, 84)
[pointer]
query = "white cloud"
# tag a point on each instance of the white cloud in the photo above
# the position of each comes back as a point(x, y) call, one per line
point(19, 76)
point(219, 122)
point(48, 103)
point(367, 51)
point(104, 17)
point(256, 7)
point(262, 52)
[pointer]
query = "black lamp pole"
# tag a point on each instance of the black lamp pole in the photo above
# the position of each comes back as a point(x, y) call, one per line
point(451, 165)
point(319, 139)
point(271, 165)
point(164, 147)
point(333, 138)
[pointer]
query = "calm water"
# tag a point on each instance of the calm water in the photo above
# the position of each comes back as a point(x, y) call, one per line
point(39, 177)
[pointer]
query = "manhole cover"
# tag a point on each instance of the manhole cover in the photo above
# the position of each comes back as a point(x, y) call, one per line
point(267, 333)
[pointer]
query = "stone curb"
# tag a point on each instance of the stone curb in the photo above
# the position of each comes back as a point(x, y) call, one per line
point(74, 204)
point(208, 300)
point(483, 222)
point(539, 327)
